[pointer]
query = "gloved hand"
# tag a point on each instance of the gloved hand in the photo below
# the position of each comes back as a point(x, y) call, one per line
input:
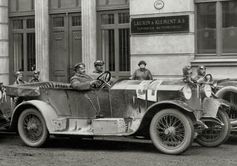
point(95, 83)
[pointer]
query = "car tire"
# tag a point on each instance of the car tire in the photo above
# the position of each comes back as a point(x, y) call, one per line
point(32, 128)
point(171, 137)
point(204, 138)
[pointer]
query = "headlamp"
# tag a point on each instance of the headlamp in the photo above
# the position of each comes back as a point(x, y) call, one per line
point(206, 89)
point(1, 94)
point(187, 92)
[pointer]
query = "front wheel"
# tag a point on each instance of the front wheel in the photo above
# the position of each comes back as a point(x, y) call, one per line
point(216, 134)
point(32, 128)
point(171, 131)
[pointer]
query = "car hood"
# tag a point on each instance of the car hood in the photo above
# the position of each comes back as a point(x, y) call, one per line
point(160, 85)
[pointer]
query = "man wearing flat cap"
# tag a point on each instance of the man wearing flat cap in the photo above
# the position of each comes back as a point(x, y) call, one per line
point(142, 73)
point(35, 77)
point(82, 81)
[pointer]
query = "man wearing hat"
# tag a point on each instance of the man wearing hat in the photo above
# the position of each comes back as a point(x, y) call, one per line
point(35, 76)
point(142, 73)
point(187, 75)
point(19, 78)
point(202, 76)
point(99, 67)
point(82, 81)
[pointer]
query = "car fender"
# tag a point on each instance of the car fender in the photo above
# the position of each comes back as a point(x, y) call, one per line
point(156, 107)
point(47, 111)
point(180, 105)
point(220, 93)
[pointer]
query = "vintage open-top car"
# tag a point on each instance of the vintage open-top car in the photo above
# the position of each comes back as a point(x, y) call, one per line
point(171, 113)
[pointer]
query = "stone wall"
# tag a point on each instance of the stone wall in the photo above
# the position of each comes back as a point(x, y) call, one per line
point(165, 53)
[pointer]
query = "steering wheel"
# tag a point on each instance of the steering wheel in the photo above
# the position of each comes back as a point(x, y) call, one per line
point(104, 78)
point(208, 77)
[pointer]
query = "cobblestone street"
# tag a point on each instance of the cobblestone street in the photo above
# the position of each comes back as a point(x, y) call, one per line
point(63, 151)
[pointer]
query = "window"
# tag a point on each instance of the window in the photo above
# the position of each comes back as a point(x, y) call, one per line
point(115, 42)
point(76, 20)
point(229, 26)
point(107, 19)
point(64, 4)
point(108, 48)
point(206, 28)
point(216, 27)
point(23, 47)
point(112, 2)
point(21, 6)
point(58, 21)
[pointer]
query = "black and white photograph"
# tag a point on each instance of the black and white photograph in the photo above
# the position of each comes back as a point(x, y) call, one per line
point(118, 82)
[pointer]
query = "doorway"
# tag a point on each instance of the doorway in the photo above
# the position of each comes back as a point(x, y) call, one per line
point(65, 45)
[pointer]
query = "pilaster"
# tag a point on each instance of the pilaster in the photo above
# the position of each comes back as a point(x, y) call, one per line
point(89, 33)
point(42, 38)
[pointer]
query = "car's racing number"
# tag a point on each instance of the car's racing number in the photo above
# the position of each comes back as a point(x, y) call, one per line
point(147, 90)
point(141, 89)
point(152, 90)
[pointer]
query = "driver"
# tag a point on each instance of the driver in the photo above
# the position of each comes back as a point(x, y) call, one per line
point(82, 81)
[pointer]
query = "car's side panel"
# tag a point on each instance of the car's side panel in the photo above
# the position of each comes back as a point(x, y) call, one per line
point(58, 99)
point(125, 104)
point(77, 104)
point(82, 104)
point(104, 102)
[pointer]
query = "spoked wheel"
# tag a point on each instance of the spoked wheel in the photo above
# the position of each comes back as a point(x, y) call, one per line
point(216, 134)
point(32, 128)
point(171, 131)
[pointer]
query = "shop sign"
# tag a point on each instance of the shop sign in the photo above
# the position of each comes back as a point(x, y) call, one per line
point(168, 24)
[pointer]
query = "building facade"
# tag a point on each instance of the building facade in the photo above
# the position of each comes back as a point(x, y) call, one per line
point(53, 35)
point(209, 39)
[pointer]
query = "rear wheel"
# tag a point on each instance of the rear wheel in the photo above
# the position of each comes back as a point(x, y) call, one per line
point(216, 134)
point(171, 131)
point(32, 128)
